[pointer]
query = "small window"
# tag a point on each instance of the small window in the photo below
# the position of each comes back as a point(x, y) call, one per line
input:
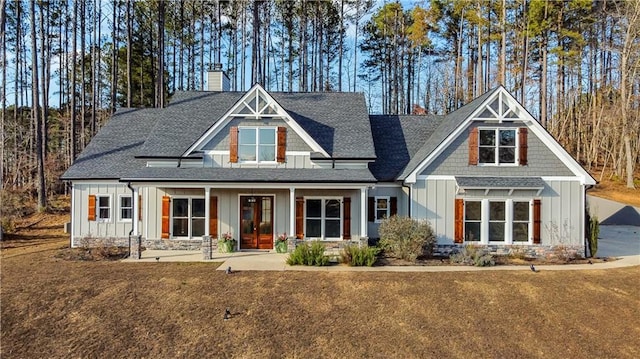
point(496, 221)
point(521, 221)
point(104, 208)
point(497, 146)
point(472, 219)
point(126, 208)
point(383, 209)
point(257, 144)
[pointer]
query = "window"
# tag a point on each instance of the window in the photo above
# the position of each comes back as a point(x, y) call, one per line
point(383, 208)
point(104, 208)
point(126, 208)
point(323, 218)
point(188, 217)
point(507, 221)
point(497, 146)
point(257, 144)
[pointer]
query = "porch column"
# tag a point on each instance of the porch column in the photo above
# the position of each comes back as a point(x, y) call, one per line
point(363, 212)
point(292, 211)
point(134, 213)
point(207, 214)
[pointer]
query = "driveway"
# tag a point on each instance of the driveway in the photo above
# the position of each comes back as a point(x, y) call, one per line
point(617, 241)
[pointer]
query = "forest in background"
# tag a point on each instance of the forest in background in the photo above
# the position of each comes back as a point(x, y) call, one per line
point(67, 65)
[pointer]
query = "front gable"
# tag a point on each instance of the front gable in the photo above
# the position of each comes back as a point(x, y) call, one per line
point(256, 108)
point(499, 135)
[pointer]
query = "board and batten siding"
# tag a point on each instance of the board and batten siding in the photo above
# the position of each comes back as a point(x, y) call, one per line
point(433, 201)
point(114, 228)
point(561, 213)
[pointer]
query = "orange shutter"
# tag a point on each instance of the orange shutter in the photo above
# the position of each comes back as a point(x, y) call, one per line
point(522, 144)
point(473, 146)
point(166, 205)
point(346, 224)
point(282, 144)
point(139, 207)
point(92, 207)
point(458, 232)
point(536, 221)
point(213, 217)
point(394, 206)
point(299, 217)
point(372, 209)
point(233, 145)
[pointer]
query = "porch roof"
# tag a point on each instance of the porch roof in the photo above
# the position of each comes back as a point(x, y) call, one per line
point(256, 175)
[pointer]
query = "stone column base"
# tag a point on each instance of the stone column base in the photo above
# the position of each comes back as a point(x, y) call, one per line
point(206, 247)
point(135, 243)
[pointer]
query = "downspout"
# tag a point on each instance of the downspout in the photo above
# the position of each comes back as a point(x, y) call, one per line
point(133, 216)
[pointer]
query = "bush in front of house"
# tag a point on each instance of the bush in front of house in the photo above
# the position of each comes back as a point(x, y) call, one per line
point(406, 238)
point(472, 255)
point(308, 255)
point(357, 256)
point(594, 232)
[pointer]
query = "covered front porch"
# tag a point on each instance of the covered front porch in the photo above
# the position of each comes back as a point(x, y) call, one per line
point(193, 216)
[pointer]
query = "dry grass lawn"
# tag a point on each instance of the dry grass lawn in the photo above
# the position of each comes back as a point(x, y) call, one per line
point(56, 308)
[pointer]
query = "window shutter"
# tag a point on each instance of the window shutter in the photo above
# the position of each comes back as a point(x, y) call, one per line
point(299, 217)
point(213, 217)
point(522, 146)
point(92, 207)
point(372, 209)
point(394, 206)
point(536, 221)
point(346, 224)
point(139, 207)
point(233, 145)
point(166, 205)
point(473, 146)
point(458, 235)
point(282, 144)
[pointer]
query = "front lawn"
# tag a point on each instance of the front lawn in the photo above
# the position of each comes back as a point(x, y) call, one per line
point(54, 307)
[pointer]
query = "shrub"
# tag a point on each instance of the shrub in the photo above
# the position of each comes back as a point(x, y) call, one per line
point(473, 255)
point(594, 231)
point(308, 255)
point(406, 238)
point(357, 256)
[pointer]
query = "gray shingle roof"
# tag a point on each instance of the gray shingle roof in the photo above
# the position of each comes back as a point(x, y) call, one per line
point(500, 182)
point(397, 139)
point(272, 175)
point(111, 152)
point(446, 127)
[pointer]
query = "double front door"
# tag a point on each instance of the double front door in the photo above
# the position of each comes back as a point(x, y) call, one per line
point(256, 222)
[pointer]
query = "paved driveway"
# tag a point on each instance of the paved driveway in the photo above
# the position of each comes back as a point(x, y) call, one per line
point(616, 241)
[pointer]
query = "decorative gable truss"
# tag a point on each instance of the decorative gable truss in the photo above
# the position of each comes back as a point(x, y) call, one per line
point(257, 104)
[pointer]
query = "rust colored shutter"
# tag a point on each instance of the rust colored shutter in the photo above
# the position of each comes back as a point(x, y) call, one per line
point(282, 144)
point(473, 146)
point(166, 205)
point(299, 217)
point(522, 140)
point(213, 217)
point(346, 224)
point(372, 209)
point(394, 206)
point(92, 207)
point(536, 221)
point(139, 207)
point(458, 235)
point(233, 145)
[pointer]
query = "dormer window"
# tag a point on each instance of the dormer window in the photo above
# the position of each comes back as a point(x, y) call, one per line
point(257, 144)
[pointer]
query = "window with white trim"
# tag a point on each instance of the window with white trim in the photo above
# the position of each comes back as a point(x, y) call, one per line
point(188, 217)
point(383, 208)
point(103, 204)
point(257, 144)
point(323, 218)
point(126, 208)
point(497, 146)
point(498, 221)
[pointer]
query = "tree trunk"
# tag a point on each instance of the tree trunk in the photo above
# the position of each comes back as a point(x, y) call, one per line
point(160, 91)
point(35, 111)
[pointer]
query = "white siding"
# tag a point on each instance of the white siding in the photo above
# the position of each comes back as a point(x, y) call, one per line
point(433, 200)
